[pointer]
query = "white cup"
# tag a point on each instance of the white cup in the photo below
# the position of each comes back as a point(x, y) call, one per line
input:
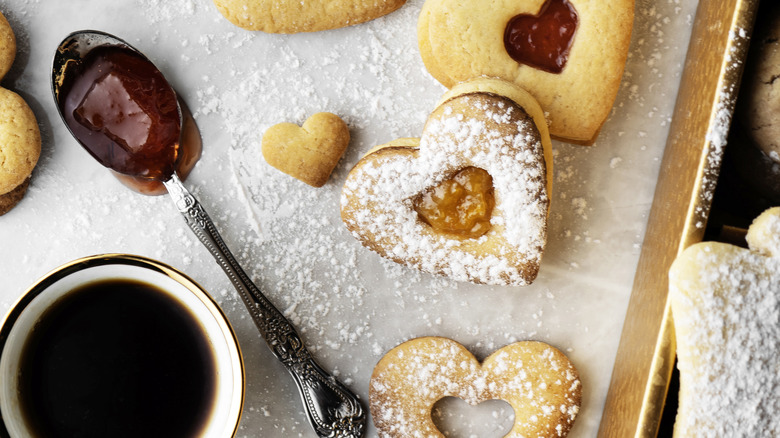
point(223, 418)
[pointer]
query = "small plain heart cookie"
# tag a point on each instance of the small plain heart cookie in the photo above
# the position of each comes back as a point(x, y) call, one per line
point(536, 379)
point(20, 138)
point(569, 54)
point(293, 16)
point(726, 308)
point(309, 152)
point(490, 125)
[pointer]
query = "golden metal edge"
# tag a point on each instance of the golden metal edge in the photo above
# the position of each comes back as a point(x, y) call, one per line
point(646, 354)
point(115, 258)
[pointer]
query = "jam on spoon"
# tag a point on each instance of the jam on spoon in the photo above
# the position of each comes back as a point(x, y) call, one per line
point(124, 113)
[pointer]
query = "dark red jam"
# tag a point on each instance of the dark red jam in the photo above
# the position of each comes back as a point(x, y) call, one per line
point(543, 41)
point(124, 113)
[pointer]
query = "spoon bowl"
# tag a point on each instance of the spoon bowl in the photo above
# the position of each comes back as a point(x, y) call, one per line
point(106, 116)
point(117, 104)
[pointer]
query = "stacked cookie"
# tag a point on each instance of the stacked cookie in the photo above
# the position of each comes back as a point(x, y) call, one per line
point(486, 124)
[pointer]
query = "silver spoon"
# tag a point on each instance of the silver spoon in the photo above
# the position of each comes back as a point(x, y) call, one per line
point(332, 409)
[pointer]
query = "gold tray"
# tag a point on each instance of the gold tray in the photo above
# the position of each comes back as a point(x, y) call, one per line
point(681, 207)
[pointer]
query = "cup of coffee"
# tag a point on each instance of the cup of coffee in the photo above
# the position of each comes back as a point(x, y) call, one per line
point(120, 346)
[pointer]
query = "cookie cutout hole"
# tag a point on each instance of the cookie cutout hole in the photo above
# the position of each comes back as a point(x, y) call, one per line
point(461, 205)
point(457, 419)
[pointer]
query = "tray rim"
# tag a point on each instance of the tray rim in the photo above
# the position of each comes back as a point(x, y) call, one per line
point(681, 205)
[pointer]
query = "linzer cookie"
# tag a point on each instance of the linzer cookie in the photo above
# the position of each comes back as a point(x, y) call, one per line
point(569, 54)
point(726, 311)
point(469, 199)
point(20, 138)
point(536, 379)
point(293, 16)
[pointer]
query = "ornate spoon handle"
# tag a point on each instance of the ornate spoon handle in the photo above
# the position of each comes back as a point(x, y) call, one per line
point(333, 410)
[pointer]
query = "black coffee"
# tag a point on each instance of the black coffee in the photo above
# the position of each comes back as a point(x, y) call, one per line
point(117, 358)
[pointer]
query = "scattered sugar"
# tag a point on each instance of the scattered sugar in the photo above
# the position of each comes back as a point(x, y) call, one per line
point(579, 206)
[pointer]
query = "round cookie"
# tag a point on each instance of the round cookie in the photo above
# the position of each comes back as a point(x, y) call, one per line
point(536, 379)
point(476, 126)
point(20, 138)
point(7, 46)
point(293, 16)
point(463, 39)
point(759, 105)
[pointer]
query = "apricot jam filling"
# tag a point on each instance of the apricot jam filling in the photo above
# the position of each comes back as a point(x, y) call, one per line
point(461, 205)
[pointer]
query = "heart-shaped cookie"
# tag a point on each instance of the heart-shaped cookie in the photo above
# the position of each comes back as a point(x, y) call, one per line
point(20, 138)
point(309, 152)
point(292, 16)
point(485, 124)
point(463, 39)
point(536, 379)
point(726, 307)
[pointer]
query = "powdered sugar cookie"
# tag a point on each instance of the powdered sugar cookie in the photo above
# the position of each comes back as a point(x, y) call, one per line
point(536, 379)
point(469, 199)
point(20, 138)
point(569, 54)
point(293, 16)
point(309, 152)
point(726, 308)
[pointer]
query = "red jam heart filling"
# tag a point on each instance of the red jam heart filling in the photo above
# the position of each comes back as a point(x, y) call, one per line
point(543, 41)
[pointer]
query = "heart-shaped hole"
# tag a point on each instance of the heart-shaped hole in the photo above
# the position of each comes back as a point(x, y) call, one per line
point(457, 419)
